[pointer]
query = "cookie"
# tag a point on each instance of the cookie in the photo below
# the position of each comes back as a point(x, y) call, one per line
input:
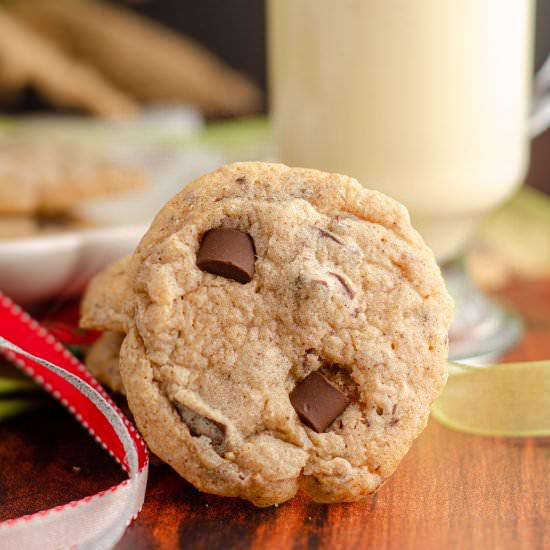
point(37, 178)
point(152, 63)
point(24, 226)
point(102, 360)
point(103, 303)
point(28, 59)
point(17, 227)
point(286, 329)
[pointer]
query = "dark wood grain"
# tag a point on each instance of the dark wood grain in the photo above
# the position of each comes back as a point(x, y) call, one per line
point(451, 491)
point(46, 459)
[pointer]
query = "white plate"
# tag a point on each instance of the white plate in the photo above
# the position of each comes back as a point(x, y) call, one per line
point(168, 145)
point(60, 265)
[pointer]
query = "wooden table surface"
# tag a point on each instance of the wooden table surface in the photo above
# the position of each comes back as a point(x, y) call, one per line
point(451, 491)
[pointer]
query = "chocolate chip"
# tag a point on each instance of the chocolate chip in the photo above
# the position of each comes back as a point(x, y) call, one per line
point(344, 282)
point(199, 425)
point(317, 401)
point(228, 253)
point(329, 235)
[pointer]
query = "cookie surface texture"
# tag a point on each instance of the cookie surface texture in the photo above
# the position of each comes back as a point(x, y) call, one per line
point(103, 304)
point(102, 360)
point(342, 285)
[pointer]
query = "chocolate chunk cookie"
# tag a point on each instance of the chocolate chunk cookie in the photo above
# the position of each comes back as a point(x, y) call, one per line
point(302, 353)
point(37, 178)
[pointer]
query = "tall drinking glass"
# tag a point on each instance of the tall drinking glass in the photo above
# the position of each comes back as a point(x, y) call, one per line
point(425, 100)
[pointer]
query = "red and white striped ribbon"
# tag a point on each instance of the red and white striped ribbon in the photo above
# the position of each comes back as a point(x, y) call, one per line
point(97, 521)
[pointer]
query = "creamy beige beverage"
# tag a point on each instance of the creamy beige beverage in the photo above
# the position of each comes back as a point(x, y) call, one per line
point(425, 100)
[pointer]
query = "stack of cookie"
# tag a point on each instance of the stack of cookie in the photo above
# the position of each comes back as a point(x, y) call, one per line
point(104, 59)
point(39, 185)
point(276, 329)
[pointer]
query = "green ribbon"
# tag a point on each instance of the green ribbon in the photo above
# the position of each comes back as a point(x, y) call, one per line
point(508, 400)
point(9, 385)
point(16, 406)
point(18, 394)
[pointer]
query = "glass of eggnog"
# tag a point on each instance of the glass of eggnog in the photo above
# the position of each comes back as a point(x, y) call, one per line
point(424, 100)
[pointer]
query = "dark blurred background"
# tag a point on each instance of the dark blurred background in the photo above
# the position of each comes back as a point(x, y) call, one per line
point(235, 29)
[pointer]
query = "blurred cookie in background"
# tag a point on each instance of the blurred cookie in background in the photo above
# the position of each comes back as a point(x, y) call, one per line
point(39, 185)
point(513, 243)
point(28, 59)
point(107, 60)
point(39, 178)
point(15, 227)
point(20, 226)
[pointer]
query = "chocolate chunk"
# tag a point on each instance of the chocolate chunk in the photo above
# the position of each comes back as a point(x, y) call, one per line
point(329, 235)
point(228, 253)
point(200, 425)
point(317, 401)
point(344, 282)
